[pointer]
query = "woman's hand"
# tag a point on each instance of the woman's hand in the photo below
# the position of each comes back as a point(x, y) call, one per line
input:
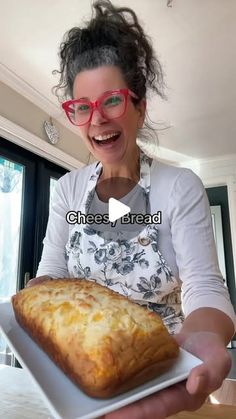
point(190, 394)
point(38, 280)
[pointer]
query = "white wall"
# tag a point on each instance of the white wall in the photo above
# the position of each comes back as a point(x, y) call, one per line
point(218, 172)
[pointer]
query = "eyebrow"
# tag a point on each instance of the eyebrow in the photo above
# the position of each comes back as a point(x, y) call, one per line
point(86, 98)
point(104, 93)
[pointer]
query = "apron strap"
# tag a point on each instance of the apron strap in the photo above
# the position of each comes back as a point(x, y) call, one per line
point(144, 181)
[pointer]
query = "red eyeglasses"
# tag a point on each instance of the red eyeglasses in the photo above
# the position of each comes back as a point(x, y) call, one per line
point(111, 105)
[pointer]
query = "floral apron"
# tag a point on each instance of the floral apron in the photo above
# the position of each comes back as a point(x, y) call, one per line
point(134, 267)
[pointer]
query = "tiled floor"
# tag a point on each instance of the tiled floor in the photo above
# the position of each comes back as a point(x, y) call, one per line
point(232, 374)
point(226, 394)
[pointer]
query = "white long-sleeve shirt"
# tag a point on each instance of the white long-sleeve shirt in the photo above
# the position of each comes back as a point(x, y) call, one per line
point(186, 238)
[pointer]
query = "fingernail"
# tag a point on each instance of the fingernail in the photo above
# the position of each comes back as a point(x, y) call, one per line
point(195, 385)
point(199, 383)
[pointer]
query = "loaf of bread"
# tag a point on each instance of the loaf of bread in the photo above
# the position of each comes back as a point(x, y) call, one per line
point(104, 342)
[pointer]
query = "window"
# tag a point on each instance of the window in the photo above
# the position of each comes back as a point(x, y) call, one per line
point(26, 185)
point(218, 198)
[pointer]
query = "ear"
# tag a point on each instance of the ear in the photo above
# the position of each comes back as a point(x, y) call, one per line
point(142, 111)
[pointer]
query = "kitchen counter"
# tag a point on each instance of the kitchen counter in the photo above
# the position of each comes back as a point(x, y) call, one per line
point(20, 399)
point(209, 411)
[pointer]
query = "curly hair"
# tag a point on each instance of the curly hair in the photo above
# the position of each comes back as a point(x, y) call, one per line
point(113, 36)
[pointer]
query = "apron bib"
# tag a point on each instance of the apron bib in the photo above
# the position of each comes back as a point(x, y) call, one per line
point(133, 267)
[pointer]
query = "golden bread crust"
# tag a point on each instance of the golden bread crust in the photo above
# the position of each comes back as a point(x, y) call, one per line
point(104, 342)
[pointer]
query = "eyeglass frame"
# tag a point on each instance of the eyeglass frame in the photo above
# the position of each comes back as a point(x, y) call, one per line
point(97, 104)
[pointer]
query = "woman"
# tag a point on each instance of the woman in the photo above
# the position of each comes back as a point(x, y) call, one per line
point(106, 69)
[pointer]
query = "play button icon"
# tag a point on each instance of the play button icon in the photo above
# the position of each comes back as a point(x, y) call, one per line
point(114, 204)
point(116, 209)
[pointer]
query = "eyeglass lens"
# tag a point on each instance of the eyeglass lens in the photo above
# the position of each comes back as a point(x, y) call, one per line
point(112, 106)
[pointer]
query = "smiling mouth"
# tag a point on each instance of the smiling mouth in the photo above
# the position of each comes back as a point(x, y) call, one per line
point(105, 141)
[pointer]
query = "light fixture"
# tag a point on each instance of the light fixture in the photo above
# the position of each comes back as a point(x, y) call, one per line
point(51, 131)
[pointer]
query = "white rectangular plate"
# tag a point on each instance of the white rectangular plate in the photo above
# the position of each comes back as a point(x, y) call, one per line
point(65, 399)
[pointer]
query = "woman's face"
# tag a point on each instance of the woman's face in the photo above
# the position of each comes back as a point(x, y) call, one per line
point(92, 84)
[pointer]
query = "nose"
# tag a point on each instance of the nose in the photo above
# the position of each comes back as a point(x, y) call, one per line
point(97, 118)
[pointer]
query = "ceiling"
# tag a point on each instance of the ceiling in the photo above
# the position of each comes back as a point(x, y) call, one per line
point(195, 42)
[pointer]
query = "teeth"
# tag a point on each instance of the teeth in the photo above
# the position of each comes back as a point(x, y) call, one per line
point(105, 137)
